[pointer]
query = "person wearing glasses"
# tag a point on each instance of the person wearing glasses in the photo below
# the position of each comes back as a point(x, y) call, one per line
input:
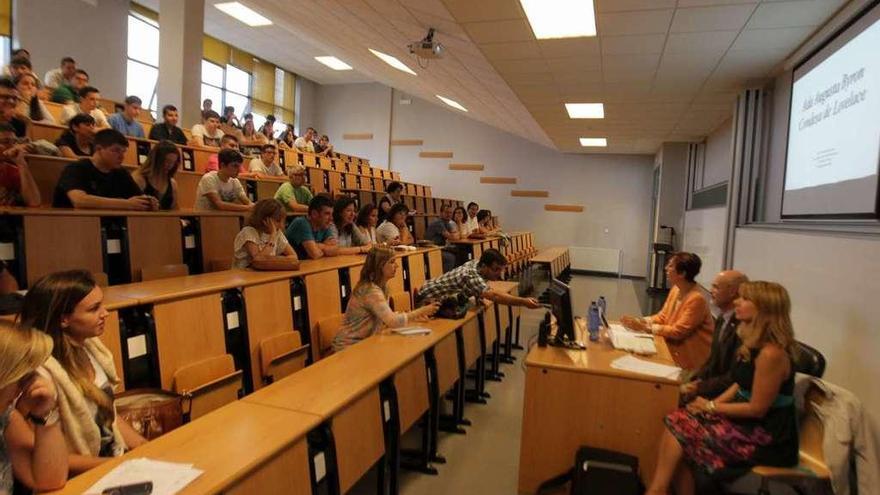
point(9, 114)
point(295, 195)
point(17, 184)
point(266, 165)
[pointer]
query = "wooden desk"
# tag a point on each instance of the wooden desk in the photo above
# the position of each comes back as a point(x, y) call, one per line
point(556, 259)
point(243, 448)
point(575, 398)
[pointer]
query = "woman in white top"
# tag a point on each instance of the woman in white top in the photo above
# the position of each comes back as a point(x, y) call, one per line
point(30, 104)
point(261, 244)
point(367, 219)
point(349, 239)
point(459, 217)
point(394, 231)
point(69, 307)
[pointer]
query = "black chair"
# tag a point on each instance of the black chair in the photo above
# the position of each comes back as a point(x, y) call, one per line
point(809, 361)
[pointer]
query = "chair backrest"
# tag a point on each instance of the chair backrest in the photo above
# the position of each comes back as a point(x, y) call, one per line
point(163, 271)
point(401, 301)
point(327, 330)
point(219, 265)
point(282, 355)
point(212, 383)
point(101, 279)
point(809, 361)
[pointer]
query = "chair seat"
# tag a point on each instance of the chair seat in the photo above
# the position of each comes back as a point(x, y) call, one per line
point(805, 469)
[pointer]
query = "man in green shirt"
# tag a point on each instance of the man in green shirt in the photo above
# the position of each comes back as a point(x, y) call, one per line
point(295, 195)
point(67, 93)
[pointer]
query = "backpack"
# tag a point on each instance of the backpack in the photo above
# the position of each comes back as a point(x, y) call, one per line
point(600, 472)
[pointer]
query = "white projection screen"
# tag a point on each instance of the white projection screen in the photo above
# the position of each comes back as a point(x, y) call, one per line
point(833, 154)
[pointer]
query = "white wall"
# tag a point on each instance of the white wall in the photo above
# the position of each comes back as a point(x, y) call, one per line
point(355, 109)
point(673, 186)
point(94, 33)
point(704, 235)
point(305, 97)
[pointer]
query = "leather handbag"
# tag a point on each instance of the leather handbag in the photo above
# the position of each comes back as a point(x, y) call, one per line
point(153, 412)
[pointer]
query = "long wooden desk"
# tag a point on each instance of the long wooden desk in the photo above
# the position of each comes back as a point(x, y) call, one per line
point(575, 398)
point(556, 259)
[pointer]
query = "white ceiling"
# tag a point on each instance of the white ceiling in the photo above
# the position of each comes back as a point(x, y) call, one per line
point(667, 70)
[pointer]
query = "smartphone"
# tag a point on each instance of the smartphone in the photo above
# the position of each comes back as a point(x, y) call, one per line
point(145, 488)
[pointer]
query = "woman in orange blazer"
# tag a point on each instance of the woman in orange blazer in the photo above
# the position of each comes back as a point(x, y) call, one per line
point(685, 320)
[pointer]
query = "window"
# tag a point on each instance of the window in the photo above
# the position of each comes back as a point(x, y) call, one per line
point(229, 86)
point(142, 72)
point(212, 84)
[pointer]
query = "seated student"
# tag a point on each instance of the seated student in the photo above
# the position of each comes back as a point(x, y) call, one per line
point(685, 320)
point(442, 230)
point(393, 194)
point(266, 165)
point(100, 182)
point(261, 243)
point(459, 216)
point(18, 53)
point(470, 280)
point(155, 176)
point(304, 142)
point(35, 453)
point(349, 240)
point(287, 138)
point(367, 219)
point(310, 235)
point(167, 129)
point(227, 142)
point(61, 75)
point(754, 421)
point(268, 128)
point(79, 138)
point(69, 92)
point(208, 133)
point(68, 306)
point(324, 148)
point(714, 377)
point(125, 121)
point(368, 310)
point(295, 194)
point(220, 189)
point(484, 222)
point(250, 135)
point(30, 104)
point(394, 230)
point(88, 104)
point(207, 105)
point(472, 223)
point(20, 65)
point(229, 117)
point(17, 184)
point(9, 108)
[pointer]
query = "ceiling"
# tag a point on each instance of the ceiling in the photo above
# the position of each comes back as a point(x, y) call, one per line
point(666, 70)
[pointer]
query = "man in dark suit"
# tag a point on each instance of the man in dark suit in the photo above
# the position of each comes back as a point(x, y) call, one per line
point(714, 377)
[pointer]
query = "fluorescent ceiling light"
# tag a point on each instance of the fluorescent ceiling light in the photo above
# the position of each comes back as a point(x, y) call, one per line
point(599, 142)
point(560, 18)
point(452, 103)
point(243, 14)
point(334, 63)
point(392, 61)
point(585, 110)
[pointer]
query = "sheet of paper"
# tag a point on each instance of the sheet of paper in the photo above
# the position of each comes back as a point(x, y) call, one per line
point(168, 478)
point(636, 365)
point(411, 331)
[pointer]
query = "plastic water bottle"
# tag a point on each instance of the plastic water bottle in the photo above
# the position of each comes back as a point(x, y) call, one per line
point(593, 321)
point(603, 305)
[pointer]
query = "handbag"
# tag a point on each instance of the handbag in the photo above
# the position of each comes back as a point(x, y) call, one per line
point(153, 412)
point(453, 307)
point(599, 472)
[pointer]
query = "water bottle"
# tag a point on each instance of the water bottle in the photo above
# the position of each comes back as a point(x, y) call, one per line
point(593, 321)
point(603, 305)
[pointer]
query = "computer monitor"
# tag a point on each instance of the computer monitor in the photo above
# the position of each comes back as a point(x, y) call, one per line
point(560, 302)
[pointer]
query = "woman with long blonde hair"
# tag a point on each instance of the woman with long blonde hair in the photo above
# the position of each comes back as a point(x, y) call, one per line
point(155, 176)
point(752, 422)
point(368, 309)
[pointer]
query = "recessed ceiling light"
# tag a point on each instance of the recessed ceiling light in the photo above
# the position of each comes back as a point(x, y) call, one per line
point(452, 103)
point(243, 14)
point(585, 110)
point(560, 18)
point(600, 142)
point(333, 62)
point(392, 61)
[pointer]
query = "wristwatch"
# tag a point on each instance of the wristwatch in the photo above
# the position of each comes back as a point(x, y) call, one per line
point(710, 406)
point(48, 420)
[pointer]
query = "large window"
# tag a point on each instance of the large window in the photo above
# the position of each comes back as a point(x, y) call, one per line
point(142, 72)
point(226, 86)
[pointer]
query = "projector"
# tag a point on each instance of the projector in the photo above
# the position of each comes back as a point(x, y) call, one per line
point(427, 48)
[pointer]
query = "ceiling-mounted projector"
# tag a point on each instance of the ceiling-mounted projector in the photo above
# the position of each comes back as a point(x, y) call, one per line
point(427, 48)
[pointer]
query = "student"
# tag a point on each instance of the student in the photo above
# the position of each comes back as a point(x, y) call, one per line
point(32, 445)
point(484, 223)
point(295, 195)
point(79, 138)
point(229, 117)
point(250, 135)
point(713, 377)
point(310, 235)
point(685, 320)
point(227, 142)
point(394, 231)
point(266, 165)
point(261, 243)
point(206, 107)
point(167, 129)
point(348, 239)
point(304, 143)
point(69, 307)
point(125, 121)
point(220, 189)
point(754, 421)
point(470, 279)
point(9, 108)
point(287, 138)
point(208, 133)
point(393, 194)
point(367, 219)
point(88, 104)
point(61, 75)
point(69, 92)
point(268, 128)
point(19, 53)
point(442, 230)
point(324, 148)
point(30, 104)
point(100, 182)
point(20, 65)
point(368, 310)
point(472, 223)
point(155, 176)
point(459, 216)
point(17, 184)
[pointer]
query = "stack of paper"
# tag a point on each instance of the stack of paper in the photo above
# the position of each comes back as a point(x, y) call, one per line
point(636, 365)
point(168, 477)
point(626, 340)
point(411, 331)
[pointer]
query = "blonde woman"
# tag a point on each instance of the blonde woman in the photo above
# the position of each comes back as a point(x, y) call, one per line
point(261, 243)
point(155, 176)
point(69, 307)
point(752, 422)
point(32, 446)
point(368, 310)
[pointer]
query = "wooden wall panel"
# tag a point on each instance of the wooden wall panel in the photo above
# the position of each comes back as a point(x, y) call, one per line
point(358, 136)
point(569, 208)
point(497, 180)
point(435, 154)
point(466, 166)
point(407, 142)
point(529, 194)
